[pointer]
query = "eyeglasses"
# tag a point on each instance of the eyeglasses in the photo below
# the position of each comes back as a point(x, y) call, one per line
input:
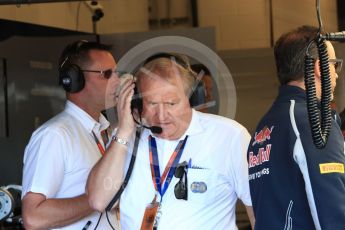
point(338, 63)
point(106, 73)
point(181, 188)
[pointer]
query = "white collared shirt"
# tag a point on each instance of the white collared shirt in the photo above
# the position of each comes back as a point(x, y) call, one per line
point(216, 148)
point(60, 155)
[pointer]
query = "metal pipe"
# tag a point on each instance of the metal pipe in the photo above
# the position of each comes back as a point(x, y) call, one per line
point(20, 2)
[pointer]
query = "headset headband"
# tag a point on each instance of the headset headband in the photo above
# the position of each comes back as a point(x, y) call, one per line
point(176, 58)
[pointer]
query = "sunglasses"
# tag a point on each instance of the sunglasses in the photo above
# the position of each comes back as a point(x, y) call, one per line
point(181, 188)
point(338, 63)
point(106, 73)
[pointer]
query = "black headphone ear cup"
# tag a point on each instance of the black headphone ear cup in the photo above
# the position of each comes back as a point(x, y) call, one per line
point(72, 79)
point(198, 95)
point(137, 101)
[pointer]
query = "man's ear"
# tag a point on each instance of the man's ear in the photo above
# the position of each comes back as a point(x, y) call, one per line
point(317, 71)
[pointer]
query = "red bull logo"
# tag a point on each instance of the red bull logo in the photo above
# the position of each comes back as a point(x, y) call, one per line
point(263, 135)
point(262, 156)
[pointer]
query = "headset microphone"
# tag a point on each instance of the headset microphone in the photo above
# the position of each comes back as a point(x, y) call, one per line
point(154, 129)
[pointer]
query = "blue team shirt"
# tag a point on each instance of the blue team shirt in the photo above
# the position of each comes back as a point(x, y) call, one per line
point(293, 184)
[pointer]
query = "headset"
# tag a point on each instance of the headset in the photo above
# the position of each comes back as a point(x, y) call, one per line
point(71, 77)
point(197, 94)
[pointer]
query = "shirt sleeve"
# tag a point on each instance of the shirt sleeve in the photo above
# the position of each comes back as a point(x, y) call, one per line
point(239, 165)
point(44, 163)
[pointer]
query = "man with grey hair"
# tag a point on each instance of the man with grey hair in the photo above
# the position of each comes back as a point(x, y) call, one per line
point(190, 169)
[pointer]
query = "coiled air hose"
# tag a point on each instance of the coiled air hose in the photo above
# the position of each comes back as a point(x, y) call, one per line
point(320, 130)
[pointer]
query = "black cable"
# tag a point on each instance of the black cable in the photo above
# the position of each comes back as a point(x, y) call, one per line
point(106, 213)
point(326, 89)
point(129, 171)
point(99, 219)
point(320, 131)
point(319, 15)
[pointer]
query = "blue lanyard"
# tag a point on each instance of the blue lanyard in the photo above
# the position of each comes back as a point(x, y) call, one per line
point(169, 169)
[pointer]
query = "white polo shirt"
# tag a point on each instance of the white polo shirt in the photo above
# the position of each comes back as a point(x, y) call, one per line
point(216, 148)
point(59, 157)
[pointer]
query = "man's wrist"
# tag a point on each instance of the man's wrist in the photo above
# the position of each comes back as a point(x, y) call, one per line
point(119, 140)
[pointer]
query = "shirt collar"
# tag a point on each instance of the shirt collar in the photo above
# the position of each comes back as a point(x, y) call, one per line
point(195, 126)
point(288, 92)
point(85, 119)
